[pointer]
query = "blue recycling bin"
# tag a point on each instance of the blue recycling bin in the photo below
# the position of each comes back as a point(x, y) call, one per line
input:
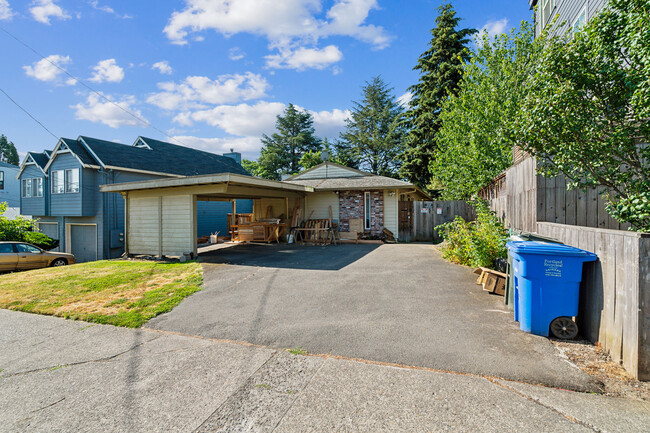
point(547, 286)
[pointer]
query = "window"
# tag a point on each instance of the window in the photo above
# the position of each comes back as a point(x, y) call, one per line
point(65, 181)
point(366, 218)
point(57, 182)
point(32, 187)
point(2, 180)
point(72, 180)
point(24, 248)
point(580, 20)
point(6, 248)
point(547, 10)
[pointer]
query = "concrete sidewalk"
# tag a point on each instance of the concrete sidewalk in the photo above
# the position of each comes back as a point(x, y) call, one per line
point(59, 375)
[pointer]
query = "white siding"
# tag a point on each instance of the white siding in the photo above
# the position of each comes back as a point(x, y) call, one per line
point(328, 171)
point(177, 215)
point(319, 203)
point(391, 211)
point(144, 231)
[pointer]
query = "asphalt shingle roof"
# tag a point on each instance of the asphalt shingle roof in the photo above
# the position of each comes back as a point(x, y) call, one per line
point(78, 149)
point(361, 182)
point(161, 158)
point(6, 164)
point(40, 158)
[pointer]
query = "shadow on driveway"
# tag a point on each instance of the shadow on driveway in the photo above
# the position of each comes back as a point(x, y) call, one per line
point(284, 256)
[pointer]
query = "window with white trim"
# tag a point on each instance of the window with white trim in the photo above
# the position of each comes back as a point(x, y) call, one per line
point(2, 180)
point(580, 20)
point(547, 10)
point(366, 211)
point(32, 187)
point(72, 180)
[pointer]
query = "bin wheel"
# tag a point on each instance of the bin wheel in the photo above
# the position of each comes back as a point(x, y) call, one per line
point(564, 328)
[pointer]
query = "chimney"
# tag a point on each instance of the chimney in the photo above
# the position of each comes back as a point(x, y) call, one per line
point(234, 155)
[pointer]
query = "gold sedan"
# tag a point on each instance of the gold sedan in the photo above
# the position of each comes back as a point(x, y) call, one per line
point(19, 256)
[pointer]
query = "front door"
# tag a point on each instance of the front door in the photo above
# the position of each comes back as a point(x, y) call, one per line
point(8, 258)
point(29, 257)
point(405, 221)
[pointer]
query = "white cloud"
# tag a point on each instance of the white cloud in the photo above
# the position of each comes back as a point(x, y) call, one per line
point(107, 70)
point(241, 119)
point(43, 10)
point(495, 27)
point(5, 10)
point(329, 124)
point(248, 146)
point(405, 99)
point(303, 58)
point(109, 10)
point(196, 91)
point(46, 69)
point(99, 110)
point(236, 54)
point(163, 67)
point(293, 25)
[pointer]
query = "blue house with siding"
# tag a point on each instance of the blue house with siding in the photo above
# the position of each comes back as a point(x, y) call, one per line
point(61, 189)
point(9, 185)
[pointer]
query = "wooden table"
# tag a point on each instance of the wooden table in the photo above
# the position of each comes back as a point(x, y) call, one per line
point(258, 232)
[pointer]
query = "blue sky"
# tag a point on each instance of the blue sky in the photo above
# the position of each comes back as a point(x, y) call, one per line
point(212, 74)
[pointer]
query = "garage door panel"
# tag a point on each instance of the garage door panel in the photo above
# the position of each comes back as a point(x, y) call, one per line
point(83, 242)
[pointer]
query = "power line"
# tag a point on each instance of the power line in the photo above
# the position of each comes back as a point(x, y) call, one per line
point(100, 94)
point(28, 113)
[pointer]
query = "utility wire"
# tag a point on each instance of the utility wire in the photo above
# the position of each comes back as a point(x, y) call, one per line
point(100, 94)
point(28, 113)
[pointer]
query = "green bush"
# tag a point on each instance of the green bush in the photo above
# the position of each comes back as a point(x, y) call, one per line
point(21, 230)
point(475, 243)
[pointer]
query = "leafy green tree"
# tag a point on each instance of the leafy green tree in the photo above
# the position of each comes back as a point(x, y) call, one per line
point(587, 110)
point(8, 152)
point(440, 68)
point(475, 139)
point(282, 151)
point(375, 131)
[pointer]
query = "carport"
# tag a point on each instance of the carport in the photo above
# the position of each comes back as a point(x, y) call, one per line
point(161, 214)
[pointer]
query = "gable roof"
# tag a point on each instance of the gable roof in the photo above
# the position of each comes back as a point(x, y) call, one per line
point(39, 159)
point(329, 176)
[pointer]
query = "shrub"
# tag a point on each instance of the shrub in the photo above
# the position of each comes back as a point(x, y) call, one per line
point(475, 243)
point(21, 229)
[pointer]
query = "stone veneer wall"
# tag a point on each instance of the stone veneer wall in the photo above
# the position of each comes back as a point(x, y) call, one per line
point(351, 207)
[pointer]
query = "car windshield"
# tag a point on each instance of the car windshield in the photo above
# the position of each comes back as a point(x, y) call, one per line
point(6, 248)
point(24, 248)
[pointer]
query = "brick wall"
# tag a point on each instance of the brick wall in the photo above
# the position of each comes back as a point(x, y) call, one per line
point(351, 207)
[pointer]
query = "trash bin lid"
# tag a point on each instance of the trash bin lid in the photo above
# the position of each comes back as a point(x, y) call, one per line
point(548, 249)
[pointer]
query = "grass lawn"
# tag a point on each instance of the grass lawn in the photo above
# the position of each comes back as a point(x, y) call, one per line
point(115, 292)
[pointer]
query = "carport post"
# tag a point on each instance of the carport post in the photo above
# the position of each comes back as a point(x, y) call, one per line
point(234, 212)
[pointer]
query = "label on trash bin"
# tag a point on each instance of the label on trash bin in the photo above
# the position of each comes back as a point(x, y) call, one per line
point(553, 268)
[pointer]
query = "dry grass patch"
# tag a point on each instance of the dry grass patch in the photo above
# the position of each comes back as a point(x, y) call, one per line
point(117, 292)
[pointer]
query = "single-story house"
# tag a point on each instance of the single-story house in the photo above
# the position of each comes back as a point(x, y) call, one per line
point(355, 194)
point(161, 214)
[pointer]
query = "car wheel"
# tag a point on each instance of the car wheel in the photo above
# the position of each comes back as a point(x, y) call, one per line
point(59, 262)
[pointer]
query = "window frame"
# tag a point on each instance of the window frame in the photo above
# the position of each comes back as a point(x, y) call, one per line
point(583, 12)
point(55, 181)
point(35, 187)
point(546, 15)
point(367, 210)
point(2, 180)
point(67, 184)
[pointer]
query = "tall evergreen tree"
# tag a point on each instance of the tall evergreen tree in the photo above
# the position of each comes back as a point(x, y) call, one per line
point(282, 151)
point(440, 68)
point(375, 131)
point(8, 152)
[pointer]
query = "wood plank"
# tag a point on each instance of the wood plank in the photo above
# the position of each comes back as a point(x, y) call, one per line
point(631, 308)
point(550, 200)
point(560, 199)
point(607, 257)
point(603, 217)
point(541, 198)
point(644, 309)
point(592, 207)
point(616, 350)
point(581, 207)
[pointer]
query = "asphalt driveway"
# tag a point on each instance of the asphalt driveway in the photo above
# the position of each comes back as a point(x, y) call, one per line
point(399, 304)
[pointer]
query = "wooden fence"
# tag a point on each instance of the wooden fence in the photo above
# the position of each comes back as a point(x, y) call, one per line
point(521, 198)
point(615, 292)
point(428, 215)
